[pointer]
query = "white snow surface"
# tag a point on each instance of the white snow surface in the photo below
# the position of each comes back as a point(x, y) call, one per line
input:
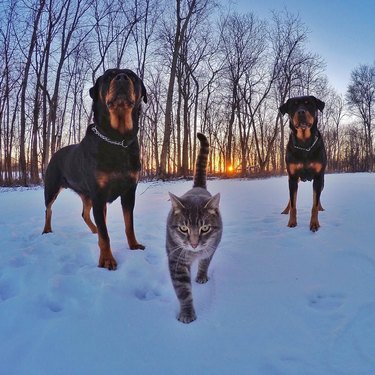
point(279, 301)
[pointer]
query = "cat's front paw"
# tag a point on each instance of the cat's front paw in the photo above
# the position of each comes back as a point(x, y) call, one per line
point(201, 279)
point(187, 318)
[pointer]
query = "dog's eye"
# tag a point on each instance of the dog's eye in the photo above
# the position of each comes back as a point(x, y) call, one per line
point(111, 73)
point(183, 229)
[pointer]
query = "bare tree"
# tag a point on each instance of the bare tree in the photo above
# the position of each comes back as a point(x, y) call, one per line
point(331, 126)
point(194, 51)
point(9, 92)
point(37, 13)
point(184, 12)
point(361, 100)
point(288, 36)
point(226, 79)
point(252, 70)
point(235, 41)
point(151, 124)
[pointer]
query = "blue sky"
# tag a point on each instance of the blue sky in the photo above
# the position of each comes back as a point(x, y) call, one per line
point(341, 32)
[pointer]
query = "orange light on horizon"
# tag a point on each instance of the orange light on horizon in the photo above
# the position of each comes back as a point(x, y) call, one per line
point(230, 168)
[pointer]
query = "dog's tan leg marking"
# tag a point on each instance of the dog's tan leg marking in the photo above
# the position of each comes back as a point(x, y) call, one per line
point(129, 231)
point(314, 222)
point(294, 167)
point(106, 259)
point(87, 205)
point(293, 212)
point(316, 167)
point(287, 208)
point(48, 217)
point(47, 224)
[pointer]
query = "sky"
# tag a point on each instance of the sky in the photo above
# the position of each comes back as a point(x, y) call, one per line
point(342, 32)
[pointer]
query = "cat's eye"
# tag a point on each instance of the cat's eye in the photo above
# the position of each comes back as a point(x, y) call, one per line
point(205, 228)
point(183, 228)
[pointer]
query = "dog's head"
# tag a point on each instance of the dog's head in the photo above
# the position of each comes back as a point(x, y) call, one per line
point(303, 114)
point(117, 96)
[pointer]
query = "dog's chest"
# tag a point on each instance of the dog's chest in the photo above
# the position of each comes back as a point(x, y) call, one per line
point(305, 170)
point(115, 183)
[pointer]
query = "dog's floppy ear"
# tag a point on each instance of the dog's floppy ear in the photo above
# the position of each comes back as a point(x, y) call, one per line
point(143, 88)
point(284, 108)
point(144, 92)
point(319, 104)
point(94, 91)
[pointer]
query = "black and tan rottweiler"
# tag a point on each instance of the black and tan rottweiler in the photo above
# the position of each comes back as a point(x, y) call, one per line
point(106, 163)
point(305, 157)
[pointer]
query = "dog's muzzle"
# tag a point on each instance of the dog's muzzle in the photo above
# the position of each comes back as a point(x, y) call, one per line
point(302, 122)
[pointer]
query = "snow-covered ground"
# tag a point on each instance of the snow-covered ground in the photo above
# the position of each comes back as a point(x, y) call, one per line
point(279, 300)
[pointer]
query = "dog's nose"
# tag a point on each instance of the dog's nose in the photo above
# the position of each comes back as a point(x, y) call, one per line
point(122, 77)
point(301, 112)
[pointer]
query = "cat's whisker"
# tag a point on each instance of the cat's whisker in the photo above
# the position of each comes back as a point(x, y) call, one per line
point(173, 250)
point(209, 248)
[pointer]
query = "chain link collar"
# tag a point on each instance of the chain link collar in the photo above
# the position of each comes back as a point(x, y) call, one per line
point(124, 143)
point(307, 149)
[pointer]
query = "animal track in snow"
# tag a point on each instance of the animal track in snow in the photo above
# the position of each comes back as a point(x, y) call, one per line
point(354, 347)
point(269, 220)
point(153, 259)
point(53, 306)
point(18, 261)
point(7, 290)
point(326, 301)
point(146, 294)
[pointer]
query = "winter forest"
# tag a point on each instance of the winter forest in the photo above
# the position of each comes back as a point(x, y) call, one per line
point(206, 68)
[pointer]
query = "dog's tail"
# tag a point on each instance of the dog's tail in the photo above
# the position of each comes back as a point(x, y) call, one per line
point(200, 176)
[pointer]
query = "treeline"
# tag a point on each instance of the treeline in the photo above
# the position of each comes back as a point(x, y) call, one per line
point(206, 69)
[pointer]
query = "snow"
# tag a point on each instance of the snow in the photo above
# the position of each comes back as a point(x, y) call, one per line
point(280, 301)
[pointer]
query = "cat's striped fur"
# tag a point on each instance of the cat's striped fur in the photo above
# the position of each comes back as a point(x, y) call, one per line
point(200, 175)
point(194, 229)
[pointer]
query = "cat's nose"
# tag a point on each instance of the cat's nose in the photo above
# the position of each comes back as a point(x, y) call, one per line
point(194, 245)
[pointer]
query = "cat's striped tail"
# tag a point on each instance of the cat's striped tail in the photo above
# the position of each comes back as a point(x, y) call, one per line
point(201, 163)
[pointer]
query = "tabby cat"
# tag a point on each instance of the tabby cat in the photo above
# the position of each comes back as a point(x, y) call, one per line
point(194, 229)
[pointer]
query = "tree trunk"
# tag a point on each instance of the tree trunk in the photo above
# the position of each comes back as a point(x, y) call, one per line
point(178, 39)
point(22, 158)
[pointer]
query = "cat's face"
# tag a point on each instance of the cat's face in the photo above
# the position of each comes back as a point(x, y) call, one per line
point(195, 224)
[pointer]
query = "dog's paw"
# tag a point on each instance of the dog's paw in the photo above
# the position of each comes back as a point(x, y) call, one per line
point(286, 210)
point(47, 230)
point(137, 246)
point(292, 223)
point(108, 262)
point(314, 225)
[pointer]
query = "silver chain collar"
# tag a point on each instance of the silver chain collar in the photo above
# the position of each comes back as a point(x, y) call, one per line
point(124, 143)
point(308, 148)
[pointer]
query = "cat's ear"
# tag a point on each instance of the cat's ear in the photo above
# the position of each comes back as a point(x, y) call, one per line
point(176, 204)
point(213, 204)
